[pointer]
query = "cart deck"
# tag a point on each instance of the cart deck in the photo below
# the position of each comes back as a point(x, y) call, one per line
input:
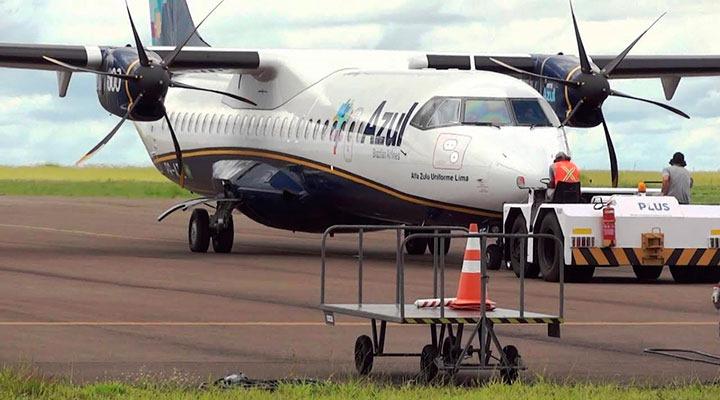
point(428, 316)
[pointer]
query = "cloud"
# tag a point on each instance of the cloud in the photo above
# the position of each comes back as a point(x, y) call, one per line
point(37, 127)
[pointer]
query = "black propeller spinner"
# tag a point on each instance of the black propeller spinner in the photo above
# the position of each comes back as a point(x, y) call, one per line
point(148, 81)
point(592, 87)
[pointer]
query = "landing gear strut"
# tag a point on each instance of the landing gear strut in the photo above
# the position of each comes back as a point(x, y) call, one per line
point(218, 228)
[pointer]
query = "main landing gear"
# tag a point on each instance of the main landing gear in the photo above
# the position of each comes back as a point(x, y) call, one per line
point(217, 228)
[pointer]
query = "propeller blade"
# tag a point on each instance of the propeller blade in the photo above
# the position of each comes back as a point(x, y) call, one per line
point(584, 61)
point(611, 152)
point(142, 55)
point(74, 68)
point(610, 67)
point(171, 58)
point(665, 106)
point(573, 111)
point(523, 72)
point(110, 135)
point(178, 151)
point(175, 84)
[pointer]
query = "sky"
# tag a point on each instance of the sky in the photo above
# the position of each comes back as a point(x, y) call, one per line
point(36, 126)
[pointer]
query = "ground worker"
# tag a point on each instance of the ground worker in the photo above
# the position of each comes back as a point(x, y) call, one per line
point(564, 172)
point(677, 181)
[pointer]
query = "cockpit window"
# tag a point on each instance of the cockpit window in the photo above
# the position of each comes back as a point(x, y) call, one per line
point(440, 111)
point(529, 113)
point(450, 111)
point(486, 112)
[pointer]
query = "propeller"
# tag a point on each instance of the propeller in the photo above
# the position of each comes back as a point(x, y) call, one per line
point(592, 86)
point(148, 82)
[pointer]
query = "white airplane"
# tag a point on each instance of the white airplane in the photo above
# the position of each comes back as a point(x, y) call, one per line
point(305, 139)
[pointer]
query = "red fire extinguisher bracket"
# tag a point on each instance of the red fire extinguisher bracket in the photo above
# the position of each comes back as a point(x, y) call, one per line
point(608, 226)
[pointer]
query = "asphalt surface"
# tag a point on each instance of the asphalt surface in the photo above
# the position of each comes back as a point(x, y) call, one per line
point(96, 289)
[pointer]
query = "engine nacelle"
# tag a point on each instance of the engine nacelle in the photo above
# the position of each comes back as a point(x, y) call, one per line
point(561, 97)
point(116, 94)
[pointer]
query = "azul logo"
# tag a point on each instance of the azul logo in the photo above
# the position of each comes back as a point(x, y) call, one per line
point(156, 13)
point(113, 84)
point(549, 92)
point(388, 127)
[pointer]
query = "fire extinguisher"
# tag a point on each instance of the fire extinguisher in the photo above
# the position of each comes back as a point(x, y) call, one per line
point(608, 226)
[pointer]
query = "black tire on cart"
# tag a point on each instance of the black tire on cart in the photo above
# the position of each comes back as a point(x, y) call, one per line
point(551, 260)
point(199, 231)
point(364, 354)
point(509, 372)
point(428, 367)
point(531, 269)
point(222, 238)
point(450, 350)
point(415, 247)
point(684, 273)
point(431, 243)
point(647, 273)
point(494, 256)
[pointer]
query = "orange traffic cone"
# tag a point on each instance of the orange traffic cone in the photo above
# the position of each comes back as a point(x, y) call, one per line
point(468, 295)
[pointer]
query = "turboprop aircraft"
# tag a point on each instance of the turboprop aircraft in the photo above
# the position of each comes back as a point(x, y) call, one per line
point(305, 139)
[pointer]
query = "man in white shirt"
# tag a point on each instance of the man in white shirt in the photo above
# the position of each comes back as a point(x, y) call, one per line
point(677, 181)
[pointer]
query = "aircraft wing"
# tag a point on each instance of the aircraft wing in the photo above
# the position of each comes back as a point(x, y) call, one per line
point(631, 67)
point(191, 59)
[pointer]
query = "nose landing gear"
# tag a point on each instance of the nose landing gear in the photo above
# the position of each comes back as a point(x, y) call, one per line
point(218, 228)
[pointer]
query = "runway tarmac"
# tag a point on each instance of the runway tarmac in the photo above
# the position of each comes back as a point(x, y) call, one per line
point(96, 289)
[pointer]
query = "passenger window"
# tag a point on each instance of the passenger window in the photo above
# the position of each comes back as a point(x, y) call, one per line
point(308, 127)
point(344, 133)
point(528, 112)
point(213, 124)
point(438, 112)
point(285, 129)
point(487, 112)
point(316, 129)
point(191, 123)
point(302, 126)
point(244, 125)
point(221, 124)
point(252, 126)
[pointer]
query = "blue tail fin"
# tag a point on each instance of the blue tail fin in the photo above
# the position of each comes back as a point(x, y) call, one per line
point(171, 23)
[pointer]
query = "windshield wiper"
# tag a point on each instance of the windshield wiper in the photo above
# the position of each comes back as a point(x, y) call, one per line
point(494, 125)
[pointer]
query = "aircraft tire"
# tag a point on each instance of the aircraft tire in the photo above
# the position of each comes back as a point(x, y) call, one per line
point(415, 247)
point(647, 273)
point(709, 274)
point(431, 244)
point(222, 239)
point(532, 270)
point(199, 231)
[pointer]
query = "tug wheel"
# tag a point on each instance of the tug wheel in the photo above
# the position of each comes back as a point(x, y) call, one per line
point(450, 350)
point(531, 269)
point(494, 256)
point(364, 354)
point(684, 274)
point(199, 231)
point(510, 370)
point(428, 367)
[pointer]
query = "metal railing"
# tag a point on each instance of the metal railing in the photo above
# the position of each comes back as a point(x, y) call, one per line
point(439, 260)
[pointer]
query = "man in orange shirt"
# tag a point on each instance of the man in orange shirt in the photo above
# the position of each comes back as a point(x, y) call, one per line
point(564, 171)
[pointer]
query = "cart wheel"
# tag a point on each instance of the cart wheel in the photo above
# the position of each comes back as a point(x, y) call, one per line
point(450, 351)
point(509, 372)
point(428, 367)
point(364, 354)
point(493, 253)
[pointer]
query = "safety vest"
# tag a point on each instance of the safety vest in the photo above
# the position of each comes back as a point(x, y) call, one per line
point(566, 171)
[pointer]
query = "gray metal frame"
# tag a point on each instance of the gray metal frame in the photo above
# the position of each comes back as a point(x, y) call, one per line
point(483, 325)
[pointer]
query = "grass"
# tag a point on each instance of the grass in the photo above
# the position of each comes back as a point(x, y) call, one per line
point(50, 180)
point(129, 182)
point(705, 191)
point(14, 385)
